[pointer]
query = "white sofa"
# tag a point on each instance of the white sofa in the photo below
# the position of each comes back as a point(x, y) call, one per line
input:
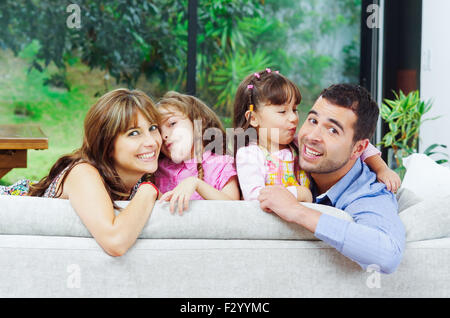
point(216, 249)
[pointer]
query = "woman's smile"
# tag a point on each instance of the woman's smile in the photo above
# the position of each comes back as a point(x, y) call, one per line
point(147, 157)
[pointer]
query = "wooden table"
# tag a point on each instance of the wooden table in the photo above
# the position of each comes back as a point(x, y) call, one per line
point(15, 140)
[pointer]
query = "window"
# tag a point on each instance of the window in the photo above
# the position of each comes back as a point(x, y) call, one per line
point(56, 59)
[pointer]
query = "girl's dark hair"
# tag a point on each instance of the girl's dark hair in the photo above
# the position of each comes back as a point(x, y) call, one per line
point(195, 109)
point(110, 116)
point(266, 87)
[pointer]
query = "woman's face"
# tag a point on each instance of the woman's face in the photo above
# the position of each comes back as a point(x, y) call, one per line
point(178, 135)
point(136, 151)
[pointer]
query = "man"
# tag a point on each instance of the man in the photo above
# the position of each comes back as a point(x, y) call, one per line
point(335, 133)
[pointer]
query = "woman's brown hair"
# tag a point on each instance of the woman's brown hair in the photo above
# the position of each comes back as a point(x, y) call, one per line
point(194, 109)
point(109, 117)
point(257, 89)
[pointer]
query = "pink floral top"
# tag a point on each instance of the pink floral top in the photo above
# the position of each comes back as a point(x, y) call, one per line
point(217, 171)
point(256, 170)
point(282, 168)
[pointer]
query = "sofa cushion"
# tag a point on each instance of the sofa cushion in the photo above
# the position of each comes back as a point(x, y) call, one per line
point(205, 219)
point(424, 199)
point(406, 198)
point(428, 219)
point(425, 177)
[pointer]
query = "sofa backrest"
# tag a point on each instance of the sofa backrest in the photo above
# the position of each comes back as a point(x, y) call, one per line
point(203, 220)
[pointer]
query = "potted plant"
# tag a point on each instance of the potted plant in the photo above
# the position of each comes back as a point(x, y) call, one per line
point(404, 117)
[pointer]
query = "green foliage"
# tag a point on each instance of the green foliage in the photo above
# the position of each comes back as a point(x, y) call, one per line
point(313, 66)
point(58, 80)
point(352, 60)
point(126, 38)
point(224, 34)
point(25, 98)
point(268, 29)
point(235, 68)
point(429, 152)
point(144, 44)
point(129, 39)
point(404, 117)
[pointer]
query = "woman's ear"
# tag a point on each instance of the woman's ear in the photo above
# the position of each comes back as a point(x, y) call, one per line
point(253, 118)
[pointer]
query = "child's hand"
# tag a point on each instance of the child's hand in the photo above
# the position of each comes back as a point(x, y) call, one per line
point(390, 179)
point(181, 194)
point(304, 194)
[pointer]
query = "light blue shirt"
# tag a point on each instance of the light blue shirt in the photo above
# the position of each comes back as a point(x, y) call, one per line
point(377, 236)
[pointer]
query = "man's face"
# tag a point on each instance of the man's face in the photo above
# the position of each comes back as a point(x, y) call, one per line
point(326, 138)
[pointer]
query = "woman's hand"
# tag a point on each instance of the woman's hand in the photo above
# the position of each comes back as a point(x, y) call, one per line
point(390, 179)
point(181, 194)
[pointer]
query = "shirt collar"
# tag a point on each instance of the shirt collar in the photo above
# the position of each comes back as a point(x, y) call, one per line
point(335, 192)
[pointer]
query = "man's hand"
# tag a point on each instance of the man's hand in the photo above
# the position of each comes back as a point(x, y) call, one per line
point(279, 200)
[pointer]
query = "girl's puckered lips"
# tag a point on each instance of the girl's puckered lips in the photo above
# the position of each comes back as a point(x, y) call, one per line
point(168, 145)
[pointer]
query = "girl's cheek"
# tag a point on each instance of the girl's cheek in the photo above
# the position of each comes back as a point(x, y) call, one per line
point(165, 152)
point(182, 131)
point(165, 132)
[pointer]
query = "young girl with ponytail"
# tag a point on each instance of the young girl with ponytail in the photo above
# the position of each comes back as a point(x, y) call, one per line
point(266, 119)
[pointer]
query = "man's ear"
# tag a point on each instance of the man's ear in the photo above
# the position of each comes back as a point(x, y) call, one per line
point(359, 148)
point(253, 118)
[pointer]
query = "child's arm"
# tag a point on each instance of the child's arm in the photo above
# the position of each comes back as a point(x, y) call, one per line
point(229, 192)
point(301, 193)
point(384, 173)
point(250, 170)
point(183, 191)
point(304, 194)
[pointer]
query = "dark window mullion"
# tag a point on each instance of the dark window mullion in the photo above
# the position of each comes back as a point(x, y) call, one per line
point(192, 47)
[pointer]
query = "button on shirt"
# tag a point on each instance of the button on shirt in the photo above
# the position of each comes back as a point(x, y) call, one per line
point(377, 236)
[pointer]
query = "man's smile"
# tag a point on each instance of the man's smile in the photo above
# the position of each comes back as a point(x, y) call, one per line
point(311, 153)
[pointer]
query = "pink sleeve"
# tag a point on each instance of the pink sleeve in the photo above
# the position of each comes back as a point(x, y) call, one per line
point(251, 171)
point(227, 170)
point(370, 151)
point(163, 177)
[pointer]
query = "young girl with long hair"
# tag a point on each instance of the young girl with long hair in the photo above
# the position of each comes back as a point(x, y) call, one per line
point(189, 168)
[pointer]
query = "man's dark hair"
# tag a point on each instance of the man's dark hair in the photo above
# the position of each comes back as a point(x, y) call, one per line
point(358, 99)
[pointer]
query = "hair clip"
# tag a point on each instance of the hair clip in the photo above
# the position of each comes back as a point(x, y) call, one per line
point(257, 75)
point(277, 72)
point(251, 108)
point(268, 70)
point(249, 86)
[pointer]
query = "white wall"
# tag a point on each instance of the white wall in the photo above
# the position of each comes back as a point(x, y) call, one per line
point(435, 71)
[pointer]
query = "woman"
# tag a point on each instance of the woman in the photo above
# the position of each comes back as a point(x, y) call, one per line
point(120, 148)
